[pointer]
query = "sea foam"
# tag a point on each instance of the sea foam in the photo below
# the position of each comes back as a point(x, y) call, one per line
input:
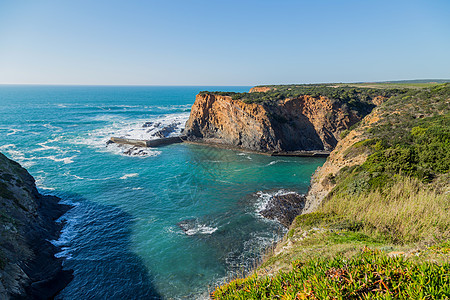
point(140, 129)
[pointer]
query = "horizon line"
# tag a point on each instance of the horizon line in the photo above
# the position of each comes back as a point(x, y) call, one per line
point(244, 85)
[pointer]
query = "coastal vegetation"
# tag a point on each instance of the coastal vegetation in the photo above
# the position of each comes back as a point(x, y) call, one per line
point(356, 98)
point(369, 273)
point(383, 230)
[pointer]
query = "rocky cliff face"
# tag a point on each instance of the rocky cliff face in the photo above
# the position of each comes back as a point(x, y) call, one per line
point(339, 158)
point(260, 89)
point(303, 123)
point(28, 268)
point(219, 119)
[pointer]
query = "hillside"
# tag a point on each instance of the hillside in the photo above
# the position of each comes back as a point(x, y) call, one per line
point(377, 219)
point(28, 268)
point(282, 118)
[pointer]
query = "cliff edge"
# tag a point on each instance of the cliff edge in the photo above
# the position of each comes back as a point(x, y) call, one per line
point(391, 123)
point(301, 123)
point(28, 267)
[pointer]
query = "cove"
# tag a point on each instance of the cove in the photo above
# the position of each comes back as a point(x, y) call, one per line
point(170, 224)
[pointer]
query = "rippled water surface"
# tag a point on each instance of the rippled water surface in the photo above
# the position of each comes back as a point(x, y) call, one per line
point(170, 224)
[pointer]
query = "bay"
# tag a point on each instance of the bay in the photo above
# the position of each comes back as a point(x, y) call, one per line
point(171, 224)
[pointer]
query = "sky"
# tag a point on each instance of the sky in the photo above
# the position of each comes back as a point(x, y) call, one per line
point(212, 42)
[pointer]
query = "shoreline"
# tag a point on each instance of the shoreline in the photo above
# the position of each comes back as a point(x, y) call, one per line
point(301, 153)
point(28, 266)
point(183, 139)
point(46, 270)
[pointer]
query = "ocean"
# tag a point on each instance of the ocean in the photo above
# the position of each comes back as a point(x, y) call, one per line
point(171, 223)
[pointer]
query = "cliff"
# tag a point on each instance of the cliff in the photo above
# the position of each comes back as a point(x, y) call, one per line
point(290, 124)
point(392, 123)
point(338, 159)
point(260, 89)
point(379, 203)
point(28, 268)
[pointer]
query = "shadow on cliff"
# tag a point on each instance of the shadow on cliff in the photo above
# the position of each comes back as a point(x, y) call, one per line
point(296, 133)
point(96, 242)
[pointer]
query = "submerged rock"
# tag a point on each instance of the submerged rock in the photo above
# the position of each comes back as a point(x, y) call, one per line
point(284, 208)
point(194, 226)
point(137, 151)
point(166, 130)
point(187, 224)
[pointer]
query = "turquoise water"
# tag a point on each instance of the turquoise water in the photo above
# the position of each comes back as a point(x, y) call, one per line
point(123, 238)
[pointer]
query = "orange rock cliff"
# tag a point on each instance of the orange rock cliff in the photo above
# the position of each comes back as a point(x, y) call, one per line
point(303, 123)
point(260, 89)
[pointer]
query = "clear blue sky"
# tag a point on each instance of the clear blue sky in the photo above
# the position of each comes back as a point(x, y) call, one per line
point(212, 42)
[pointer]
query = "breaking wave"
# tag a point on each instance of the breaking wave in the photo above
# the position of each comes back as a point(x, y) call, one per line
point(141, 129)
point(264, 198)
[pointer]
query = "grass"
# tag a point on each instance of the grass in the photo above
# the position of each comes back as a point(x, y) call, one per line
point(409, 211)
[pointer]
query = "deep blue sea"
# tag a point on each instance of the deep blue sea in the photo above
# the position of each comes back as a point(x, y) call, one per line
point(170, 224)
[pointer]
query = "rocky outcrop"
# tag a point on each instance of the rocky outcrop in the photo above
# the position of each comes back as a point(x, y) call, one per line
point(219, 119)
point(303, 123)
point(340, 157)
point(284, 208)
point(260, 89)
point(28, 267)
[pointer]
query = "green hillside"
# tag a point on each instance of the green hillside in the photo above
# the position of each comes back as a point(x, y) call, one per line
point(383, 232)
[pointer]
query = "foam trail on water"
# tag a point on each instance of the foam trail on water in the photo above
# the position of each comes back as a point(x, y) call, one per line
point(14, 131)
point(129, 175)
point(201, 229)
point(65, 160)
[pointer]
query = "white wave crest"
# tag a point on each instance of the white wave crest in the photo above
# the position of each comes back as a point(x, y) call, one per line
point(40, 179)
point(65, 160)
point(264, 198)
point(7, 146)
point(68, 232)
point(129, 175)
point(195, 226)
point(275, 162)
point(201, 229)
point(51, 127)
point(14, 131)
point(18, 155)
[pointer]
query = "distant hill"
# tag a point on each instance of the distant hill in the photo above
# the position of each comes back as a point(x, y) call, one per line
point(417, 81)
